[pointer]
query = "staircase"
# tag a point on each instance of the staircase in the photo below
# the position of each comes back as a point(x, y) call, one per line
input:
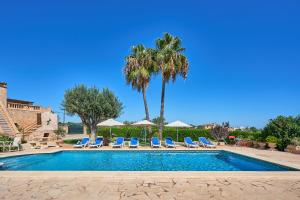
point(30, 129)
point(6, 123)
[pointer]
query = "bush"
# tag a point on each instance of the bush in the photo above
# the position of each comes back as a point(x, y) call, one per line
point(71, 141)
point(282, 143)
point(284, 128)
point(271, 139)
point(246, 134)
point(295, 141)
point(5, 138)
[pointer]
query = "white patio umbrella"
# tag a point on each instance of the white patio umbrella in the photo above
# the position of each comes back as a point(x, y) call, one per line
point(110, 123)
point(178, 124)
point(144, 123)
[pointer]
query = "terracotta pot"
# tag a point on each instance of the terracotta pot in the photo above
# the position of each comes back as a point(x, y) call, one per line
point(262, 145)
point(249, 143)
point(272, 146)
point(293, 149)
point(255, 144)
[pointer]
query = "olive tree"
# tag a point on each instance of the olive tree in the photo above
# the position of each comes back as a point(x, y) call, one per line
point(91, 105)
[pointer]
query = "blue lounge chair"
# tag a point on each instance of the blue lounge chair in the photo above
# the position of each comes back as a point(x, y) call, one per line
point(98, 143)
point(83, 143)
point(155, 142)
point(189, 142)
point(134, 142)
point(206, 143)
point(169, 142)
point(119, 142)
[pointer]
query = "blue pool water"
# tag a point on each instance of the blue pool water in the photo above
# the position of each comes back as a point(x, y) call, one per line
point(139, 161)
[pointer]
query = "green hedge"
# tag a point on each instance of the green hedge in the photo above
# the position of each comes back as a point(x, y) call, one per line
point(71, 141)
point(246, 134)
point(130, 131)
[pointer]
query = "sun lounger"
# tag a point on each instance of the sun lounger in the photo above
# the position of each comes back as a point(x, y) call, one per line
point(155, 142)
point(98, 143)
point(134, 142)
point(206, 143)
point(83, 143)
point(189, 142)
point(169, 142)
point(119, 142)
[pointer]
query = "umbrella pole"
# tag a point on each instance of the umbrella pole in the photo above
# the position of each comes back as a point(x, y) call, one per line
point(145, 135)
point(177, 134)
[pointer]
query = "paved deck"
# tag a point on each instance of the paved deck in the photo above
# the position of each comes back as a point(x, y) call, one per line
point(156, 185)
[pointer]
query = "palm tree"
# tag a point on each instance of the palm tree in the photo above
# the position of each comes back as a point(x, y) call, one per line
point(138, 70)
point(170, 63)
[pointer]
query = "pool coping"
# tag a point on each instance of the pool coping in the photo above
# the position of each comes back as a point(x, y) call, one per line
point(247, 154)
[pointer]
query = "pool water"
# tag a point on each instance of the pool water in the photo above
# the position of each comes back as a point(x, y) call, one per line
point(139, 161)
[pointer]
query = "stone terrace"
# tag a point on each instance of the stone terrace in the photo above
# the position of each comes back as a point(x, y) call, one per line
point(157, 185)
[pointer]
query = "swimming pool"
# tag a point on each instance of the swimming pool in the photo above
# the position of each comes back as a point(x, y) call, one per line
point(143, 160)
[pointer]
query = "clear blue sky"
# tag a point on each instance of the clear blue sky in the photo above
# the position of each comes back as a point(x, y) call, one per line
point(244, 55)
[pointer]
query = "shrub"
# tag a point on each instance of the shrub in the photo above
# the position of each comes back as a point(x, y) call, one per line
point(295, 141)
point(284, 128)
point(271, 139)
point(4, 138)
point(282, 143)
point(71, 141)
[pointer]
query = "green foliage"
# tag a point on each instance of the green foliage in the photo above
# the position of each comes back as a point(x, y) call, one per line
point(91, 105)
point(246, 134)
point(5, 138)
point(271, 139)
point(139, 67)
point(284, 128)
point(282, 143)
point(156, 120)
point(131, 131)
point(71, 141)
point(295, 141)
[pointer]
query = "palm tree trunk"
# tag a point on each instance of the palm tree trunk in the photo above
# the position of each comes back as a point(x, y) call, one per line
point(145, 104)
point(162, 108)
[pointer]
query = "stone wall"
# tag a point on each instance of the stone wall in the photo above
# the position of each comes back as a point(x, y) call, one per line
point(23, 118)
point(49, 121)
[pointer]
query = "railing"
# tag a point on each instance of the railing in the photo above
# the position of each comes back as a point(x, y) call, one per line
point(8, 119)
point(23, 106)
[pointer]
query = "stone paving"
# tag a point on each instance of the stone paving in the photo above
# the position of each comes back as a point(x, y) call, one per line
point(208, 187)
point(156, 185)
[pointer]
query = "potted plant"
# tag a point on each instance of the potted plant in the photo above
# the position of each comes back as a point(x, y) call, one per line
point(261, 143)
point(294, 146)
point(271, 142)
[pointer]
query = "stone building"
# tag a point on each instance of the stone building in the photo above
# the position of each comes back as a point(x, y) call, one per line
point(25, 118)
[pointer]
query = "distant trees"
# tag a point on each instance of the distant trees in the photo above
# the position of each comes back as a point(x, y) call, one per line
point(157, 120)
point(91, 105)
